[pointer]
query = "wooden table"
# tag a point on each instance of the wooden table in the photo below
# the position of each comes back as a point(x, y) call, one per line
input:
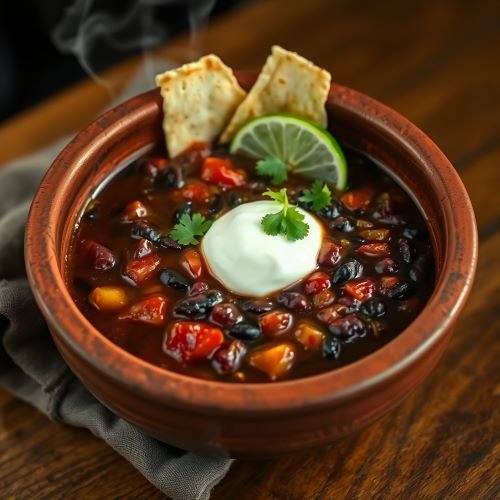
point(438, 64)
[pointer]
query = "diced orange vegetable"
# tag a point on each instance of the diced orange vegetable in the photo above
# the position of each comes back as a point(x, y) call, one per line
point(358, 199)
point(361, 289)
point(310, 337)
point(374, 249)
point(363, 223)
point(275, 361)
point(108, 298)
point(191, 262)
point(388, 282)
point(375, 234)
point(332, 313)
point(197, 191)
point(323, 299)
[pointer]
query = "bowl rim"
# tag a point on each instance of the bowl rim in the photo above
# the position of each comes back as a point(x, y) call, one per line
point(335, 387)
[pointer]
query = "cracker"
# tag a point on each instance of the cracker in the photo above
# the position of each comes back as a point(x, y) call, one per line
point(199, 100)
point(288, 83)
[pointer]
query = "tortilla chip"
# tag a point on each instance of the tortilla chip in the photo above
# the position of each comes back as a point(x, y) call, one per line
point(199, 99)
point(288, 83)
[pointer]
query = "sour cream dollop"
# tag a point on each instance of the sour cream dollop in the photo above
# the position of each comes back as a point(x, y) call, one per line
point(250, 262)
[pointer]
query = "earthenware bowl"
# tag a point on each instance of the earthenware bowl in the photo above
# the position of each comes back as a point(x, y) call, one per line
point(251, 420)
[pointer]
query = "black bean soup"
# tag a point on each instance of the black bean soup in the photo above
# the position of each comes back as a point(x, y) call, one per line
point(155, 298)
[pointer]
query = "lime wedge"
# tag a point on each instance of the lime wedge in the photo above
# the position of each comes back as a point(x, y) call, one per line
point(305, 148)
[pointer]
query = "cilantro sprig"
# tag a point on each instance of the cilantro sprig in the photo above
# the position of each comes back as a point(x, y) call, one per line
point(273, 167)
point(288, 221)
point(189, 228)
point(319, 195)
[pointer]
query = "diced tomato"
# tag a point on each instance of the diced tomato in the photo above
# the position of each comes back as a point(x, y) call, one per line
point(275, 361)
point(151, 310)
point(196, 191)
point(142, 269)
point(222, 172)
point(317, 282)
point(275, 322)
point(191, 262)
point(98, 256)
point(375, 234)
point(198, 287)
point(309, 337)
point(188, 341)
point(133, 211)
point(358, 199)
point(388, 282)
point(361, 289)
point(329, 254)
point(332, 313)
point(374, 249)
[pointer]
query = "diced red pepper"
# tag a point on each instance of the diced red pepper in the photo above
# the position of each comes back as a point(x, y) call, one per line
point(317, 282)
point(191, 262)
point(374, 249)
point(196, 191)
point(151, 311)
point(275, 322)
point(188, 341)
point(329, 254)
point(358, 199)
point(222, 172)
point(98, 256)
point(142, 269)
point(362, 289)
point(133, 211)
point(198, 287)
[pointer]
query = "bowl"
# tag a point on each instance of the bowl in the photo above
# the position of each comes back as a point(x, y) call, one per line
point(251, 420)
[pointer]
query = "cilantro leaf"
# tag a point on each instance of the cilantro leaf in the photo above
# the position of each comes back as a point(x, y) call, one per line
point(274, 167)
point(288, 221)
point(189, 227)
point(319, 195)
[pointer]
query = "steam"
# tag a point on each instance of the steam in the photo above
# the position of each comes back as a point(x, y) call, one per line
point(96, 33)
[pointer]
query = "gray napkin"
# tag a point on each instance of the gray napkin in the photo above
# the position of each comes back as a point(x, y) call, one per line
point(32, 369)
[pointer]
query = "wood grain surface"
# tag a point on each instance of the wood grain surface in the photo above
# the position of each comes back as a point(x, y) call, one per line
point(438, 64)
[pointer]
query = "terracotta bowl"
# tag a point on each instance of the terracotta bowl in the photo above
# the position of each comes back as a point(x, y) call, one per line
point(251, 420)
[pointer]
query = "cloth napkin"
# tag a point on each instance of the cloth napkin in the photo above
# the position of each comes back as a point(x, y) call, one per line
point(32, 369)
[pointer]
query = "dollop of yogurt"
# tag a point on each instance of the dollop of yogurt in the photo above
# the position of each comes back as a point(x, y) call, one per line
point(247, 261)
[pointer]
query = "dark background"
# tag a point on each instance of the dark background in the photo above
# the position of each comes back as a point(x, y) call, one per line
point(32, 67)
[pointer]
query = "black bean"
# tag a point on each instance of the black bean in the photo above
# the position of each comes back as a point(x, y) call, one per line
point(410, 232)
point(170, 177)
point(216, 205)
point(256, 306)
point(142, 229)
point(197, 306)
point(235, 199)
point(332, 348)
point(186, 208)
point(245, 331)
point(342, 224)
point(166, 241)
point(374, 308)
point(174, 279)
point(329, 212)
point(402, 290)
point(406, 250)
point(348, 329)
point(420, 270)
point(348, 270)
point(294, 301)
